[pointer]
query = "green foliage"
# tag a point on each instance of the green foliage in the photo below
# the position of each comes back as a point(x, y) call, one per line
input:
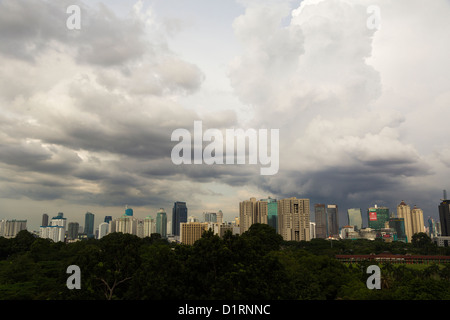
point(255, 265)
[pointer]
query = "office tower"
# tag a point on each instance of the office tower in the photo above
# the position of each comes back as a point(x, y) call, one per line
point(44, 220)
point(209, 217)
point(333, 220)
point(161, 223)
point(261, 212)
point(89, 224)
point(124, 224)
point(72, 230)
point(140, 226)
point(320, 217)
point(404, 211)
point(102, 229)
point(418, 225)
point(108, 219)
point(179, 215)
point(128, 211)
point(252, 211)
point(355, 218)
point(56, 230)
point(312, 230)
point(378, 217)
point(272, 213)
point(432, 228)
point(191, 232)
point(149, 226)
point(444, 217)
point(10, 228)
point(398, 224)
point(246, 214)
point(219, 216)
point(293, 219)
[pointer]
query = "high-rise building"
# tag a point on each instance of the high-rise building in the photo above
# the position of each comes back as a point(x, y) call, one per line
point(444, 217)
point(247, 210)
point(355, 218)
point(72, 230)
point(44, 220)
point(333, 220)
point(179, 215)
point(103, 229)
point(161, 223)
point(10, 228)
point(56, 230)
point(124, 224)
point(418, 224)
point(219, 217)
point(272, 213)
point(108, 219)
point(398, 224)
point(404, 211)
point(320, 217)
point(253, 211)
point(192, 231)
point(378, 217)
point(209, 217)
point(149, 226)
point(293, 219)
point(89, 224)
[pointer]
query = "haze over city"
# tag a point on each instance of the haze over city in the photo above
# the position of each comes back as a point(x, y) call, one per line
point(86, 115)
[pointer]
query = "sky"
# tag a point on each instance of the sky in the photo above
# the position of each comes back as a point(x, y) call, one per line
point(360, 98)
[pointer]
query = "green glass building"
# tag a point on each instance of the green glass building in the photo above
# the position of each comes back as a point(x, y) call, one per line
point(354, 216)
point(377, 217)
point(161, 223)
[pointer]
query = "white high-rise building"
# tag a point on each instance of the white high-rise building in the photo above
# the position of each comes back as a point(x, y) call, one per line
point(56, 230)
point(10, 228)
point(103, 229)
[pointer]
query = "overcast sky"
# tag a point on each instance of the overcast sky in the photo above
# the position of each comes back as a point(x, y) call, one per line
point(86, 116)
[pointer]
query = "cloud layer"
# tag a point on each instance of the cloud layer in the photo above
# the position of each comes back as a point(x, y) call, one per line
point(86, 115)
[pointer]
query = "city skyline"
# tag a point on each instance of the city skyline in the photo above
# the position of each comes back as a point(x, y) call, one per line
point(87, 114)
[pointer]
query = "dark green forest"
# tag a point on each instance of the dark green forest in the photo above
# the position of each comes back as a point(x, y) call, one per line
point(257, 265)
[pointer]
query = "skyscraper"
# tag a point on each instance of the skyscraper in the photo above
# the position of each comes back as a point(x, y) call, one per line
point(320, 217)
point(149, 226)
point(179, 215)
point(89, 224)
point(192, 231)
point(355, 218)
point(333, 220)
point(219, 216)
point(44, 220)
point(398, 224)
point(246, 214)
point(404, 211)
point(272, 213)
point(293, 219)
point(378, 217)
point(72, 229)
point(102, 230)
point(418, 224)
point(444, 217)
point(108, 219)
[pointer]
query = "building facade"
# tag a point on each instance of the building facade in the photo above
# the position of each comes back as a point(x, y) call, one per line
point(192, 231)
point(320, 217)
point(161, 223)
point(354, 216)
point(179, 215)
point(378, 217)
point(293, 219)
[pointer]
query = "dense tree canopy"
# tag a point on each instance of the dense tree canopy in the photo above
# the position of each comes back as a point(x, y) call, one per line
point(255, 265)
